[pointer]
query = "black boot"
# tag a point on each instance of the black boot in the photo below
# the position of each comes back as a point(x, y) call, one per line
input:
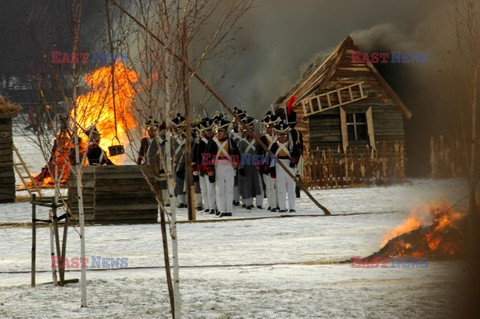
point(225, 214)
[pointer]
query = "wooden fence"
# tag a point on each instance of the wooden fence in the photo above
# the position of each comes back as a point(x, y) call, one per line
point(331, 168)
point(447, 157)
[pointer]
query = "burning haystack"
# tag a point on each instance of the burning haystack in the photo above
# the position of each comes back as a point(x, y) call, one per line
point(443, 238)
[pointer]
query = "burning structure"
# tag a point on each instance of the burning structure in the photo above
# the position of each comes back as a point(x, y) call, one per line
point(107, 107)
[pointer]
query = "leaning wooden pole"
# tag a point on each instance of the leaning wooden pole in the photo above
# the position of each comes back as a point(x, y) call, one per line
point(224, 104)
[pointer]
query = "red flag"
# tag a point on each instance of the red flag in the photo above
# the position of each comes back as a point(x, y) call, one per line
point(291, 101)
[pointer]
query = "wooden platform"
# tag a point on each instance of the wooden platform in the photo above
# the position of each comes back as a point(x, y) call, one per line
point(114, 195)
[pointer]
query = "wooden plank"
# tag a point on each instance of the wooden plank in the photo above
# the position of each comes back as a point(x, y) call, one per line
point(100, 207)
point(344, 129)
point(126, 213)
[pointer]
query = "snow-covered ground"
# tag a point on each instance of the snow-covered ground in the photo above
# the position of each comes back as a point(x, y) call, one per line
point(262, 268)
point(252, 268)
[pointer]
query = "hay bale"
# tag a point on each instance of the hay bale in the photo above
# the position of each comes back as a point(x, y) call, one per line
point(8, 109)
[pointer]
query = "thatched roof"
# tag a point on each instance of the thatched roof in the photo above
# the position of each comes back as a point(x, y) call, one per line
point(8, 109)
point(322, 70)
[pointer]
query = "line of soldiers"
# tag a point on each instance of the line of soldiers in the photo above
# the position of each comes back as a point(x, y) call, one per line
point(229, 168)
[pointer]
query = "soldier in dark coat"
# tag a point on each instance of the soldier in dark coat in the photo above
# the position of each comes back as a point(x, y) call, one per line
point(296, 137)
point(95, 154)
point(151, 126)
point(178, 148)
point(157, 158)
point(268, 138)
point(235, 134)
point(206, 187)
point(196, 175)
point(249, 180)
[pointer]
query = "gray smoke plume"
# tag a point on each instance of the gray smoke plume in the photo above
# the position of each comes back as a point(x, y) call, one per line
point(281, 38)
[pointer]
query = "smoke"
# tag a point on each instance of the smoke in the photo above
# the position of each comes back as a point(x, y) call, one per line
point(281, 39)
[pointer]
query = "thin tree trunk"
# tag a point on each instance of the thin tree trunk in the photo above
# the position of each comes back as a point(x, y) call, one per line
point(188, 129)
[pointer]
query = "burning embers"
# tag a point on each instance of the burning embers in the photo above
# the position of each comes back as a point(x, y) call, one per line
point(439, 233)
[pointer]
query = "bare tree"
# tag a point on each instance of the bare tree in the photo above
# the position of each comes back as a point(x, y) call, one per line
point(461, 95)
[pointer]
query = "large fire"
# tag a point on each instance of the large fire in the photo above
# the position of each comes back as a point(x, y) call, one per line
point(437, 232)
point(97, 108)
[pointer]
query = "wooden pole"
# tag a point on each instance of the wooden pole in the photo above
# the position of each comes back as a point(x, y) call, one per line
point(64, 248)
point(34, 238)
point(52, 249)
point(57, 240)
point(224, 104)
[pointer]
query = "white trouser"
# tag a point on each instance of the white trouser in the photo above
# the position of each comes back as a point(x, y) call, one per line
point(260, 197)
point(299, 167)
point(248, 201)
point(270, 190)
point(285, 184)
point(204, 189)
point(165, 196)
point(224, 174)
point(181, 199)
point(198, 199)
point(212, 198)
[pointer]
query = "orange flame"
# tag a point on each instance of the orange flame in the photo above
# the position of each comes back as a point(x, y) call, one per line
point(439, 232)
point(98, 107)
point(410, 224)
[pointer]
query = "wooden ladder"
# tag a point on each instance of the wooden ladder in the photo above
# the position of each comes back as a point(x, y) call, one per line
point(28, 181)
point(333, 99)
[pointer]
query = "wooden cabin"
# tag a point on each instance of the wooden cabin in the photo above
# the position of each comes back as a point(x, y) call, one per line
point(346, 108)
point(7, 177)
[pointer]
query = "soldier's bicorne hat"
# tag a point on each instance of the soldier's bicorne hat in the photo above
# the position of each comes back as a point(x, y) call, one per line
point(281, 128)
point(274, 120)
point(206, 124)
point(151, 124)
point(266, 119)
point(240, 113)
point(92, 129)
point(248, 120)
point(179, 121)
point(292, 118)
point(217, 117)
point(221, 125)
